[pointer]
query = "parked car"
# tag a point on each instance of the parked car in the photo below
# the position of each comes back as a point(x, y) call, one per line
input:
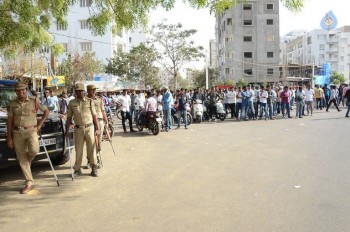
point(52, 132)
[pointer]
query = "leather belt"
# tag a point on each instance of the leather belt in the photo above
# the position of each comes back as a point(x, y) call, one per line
point(84, 126)
point(100, 119)
point(20, 128)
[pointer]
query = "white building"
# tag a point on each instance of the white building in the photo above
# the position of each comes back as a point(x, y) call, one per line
point(136, 37)
point(77, 37)
point(318, 47)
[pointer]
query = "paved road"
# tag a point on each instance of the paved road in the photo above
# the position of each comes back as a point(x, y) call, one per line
point(225, 176)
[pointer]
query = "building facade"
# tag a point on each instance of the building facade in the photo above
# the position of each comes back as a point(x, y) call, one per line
point(78, 38)
point(247, 38)
point(318, 47)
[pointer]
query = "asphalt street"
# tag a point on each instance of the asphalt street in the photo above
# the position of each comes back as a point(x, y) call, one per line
point(284, 175)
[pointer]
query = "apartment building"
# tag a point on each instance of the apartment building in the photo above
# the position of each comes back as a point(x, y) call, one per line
point(319, 47)
point(77, 36)
point(247, 38)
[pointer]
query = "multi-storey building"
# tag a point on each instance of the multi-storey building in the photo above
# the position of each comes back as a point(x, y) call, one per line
point(318, 47)
point(78, 38)
point(248, 41)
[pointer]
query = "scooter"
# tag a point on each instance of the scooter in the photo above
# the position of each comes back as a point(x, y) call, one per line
point(198, 110)
point(220, 111)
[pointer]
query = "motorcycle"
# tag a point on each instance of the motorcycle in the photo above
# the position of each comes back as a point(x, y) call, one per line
point(151, 121)
point(198, 110)
point(174, 113)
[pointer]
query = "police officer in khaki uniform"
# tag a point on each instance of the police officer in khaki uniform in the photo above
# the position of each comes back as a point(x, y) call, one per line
point(100, 112)
point(82, 110)
point(22, 121)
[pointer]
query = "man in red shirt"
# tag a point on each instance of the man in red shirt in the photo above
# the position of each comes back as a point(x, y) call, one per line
point(285, 101)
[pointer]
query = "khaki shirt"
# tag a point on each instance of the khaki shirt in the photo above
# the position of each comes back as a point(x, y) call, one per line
point(99, 106)
point(25, 112)
point(81, 110)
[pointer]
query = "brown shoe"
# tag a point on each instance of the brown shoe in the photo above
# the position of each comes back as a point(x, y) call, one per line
point(27, 189)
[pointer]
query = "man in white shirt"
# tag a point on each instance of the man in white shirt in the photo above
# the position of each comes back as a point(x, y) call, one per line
point(309, 99)
point(231, 101)
point(263, 95)
point(125, 101)
point(251, 102)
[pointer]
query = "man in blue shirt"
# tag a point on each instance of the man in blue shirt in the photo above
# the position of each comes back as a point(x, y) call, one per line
point(245, 103)
point(167, 101)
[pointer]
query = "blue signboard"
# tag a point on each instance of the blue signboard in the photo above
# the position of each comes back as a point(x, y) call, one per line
point(329, 21)
point(324, 76)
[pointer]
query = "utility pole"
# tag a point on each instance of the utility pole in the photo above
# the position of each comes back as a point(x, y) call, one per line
point(206, 73)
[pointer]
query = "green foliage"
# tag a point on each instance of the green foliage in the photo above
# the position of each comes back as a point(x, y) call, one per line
point(199, 77)
point(337, 78)
point(136, 66)
point(173, 46)
point(241, 83)
point(80, 68)
point(24, 23)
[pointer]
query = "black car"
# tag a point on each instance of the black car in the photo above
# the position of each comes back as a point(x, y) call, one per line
point(52, 131)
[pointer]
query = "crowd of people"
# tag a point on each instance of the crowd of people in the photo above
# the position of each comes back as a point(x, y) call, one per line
point(89, 112)
point(241, 103)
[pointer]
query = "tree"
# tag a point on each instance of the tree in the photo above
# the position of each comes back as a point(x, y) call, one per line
point(241, 83)
point(199, 77)
point(173, 47)
point(25, 23)
point(337, 78)
point(136, 66)
point(80, 68)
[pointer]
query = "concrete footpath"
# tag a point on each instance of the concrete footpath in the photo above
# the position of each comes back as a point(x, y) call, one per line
point(284, 175)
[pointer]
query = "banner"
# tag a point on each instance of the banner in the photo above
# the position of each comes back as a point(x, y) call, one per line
point(55, 81)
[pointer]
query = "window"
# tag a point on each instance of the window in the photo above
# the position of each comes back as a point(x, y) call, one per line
point(86, 46)
point(130, 39)
point(269, 6)
point(248, 55)
point(269, 21)
point(247, 6)
point(269, 54)
point(270, 38)
point(85, 3)
point(322, 47)
point(227, 71)
point(248, 22)
point(269, 71)
point(309, 40)
point(65, 46)
point(61, 27)
point(84, 24)
point(247, 38)
point(248, 71)
point(229, 21)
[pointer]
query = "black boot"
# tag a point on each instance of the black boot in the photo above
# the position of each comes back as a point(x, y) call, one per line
point(94, 171)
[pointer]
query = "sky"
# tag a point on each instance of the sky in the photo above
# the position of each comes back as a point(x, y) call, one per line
point(308, 19)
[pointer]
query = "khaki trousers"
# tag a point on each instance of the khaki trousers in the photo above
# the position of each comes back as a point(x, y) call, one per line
point(87, 135)
point(26, 145)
